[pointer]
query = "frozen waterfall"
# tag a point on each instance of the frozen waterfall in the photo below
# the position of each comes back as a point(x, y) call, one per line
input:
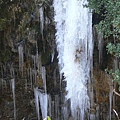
point(75, 49)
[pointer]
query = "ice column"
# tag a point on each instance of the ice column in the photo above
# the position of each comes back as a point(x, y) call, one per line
point(20, 51)
point(13, 91)
point(74, 44)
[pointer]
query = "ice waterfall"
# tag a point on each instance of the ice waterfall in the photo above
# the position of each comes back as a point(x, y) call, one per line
point(75, 47)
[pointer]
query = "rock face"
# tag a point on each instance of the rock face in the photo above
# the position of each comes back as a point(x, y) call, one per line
point(104, 98)
point(24, 50)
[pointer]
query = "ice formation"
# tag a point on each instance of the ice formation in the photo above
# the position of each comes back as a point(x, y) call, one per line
point(74, 44)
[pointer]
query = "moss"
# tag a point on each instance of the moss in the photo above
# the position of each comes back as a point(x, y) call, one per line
point(5, 55)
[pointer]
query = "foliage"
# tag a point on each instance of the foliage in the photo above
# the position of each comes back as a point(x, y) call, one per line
point(116, 76)
point(113, 49)
point(48, 118)
point(110, 13)
point(109, 24)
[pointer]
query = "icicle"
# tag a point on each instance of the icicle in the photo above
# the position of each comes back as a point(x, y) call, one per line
point(65, 113)
point(13, 91)
point(52, 56)
point(47, 21)
point(44, 77)
point(53, 109)
point(54, 77)
point(41, 102)
point(38, 61)
point(5, 68)
point(91, 94)
point(26, 84)
point(98, 39)
point(41, 12)
point(21, 59)
point(75, 48)
point(37, 57)
point(100, 46)
point(35, 77)
point(110, 97)
point(57, 107)
point(36, 93)
point(115, 65)
point(110, 103)
point(3, 84)
point(34, 61)
point(49, 105)
point(59, 8)
point(66, 110)
point(31, 76)
point(12, 71)
point(28, 75)
point(97, 112)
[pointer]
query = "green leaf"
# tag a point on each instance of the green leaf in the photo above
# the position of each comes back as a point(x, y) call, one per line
point(48, 118)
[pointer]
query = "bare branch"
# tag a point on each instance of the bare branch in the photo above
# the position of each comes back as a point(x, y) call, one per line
point(116, 93)
point(116, 114)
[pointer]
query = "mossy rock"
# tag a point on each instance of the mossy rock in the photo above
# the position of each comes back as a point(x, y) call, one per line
point(5, 55)
point(45, 58)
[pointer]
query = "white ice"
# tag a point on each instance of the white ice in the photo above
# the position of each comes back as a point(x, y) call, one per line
point(41, 12)
point(74, 44)
point(41, 102)
point(13, 91)
point(21, 59)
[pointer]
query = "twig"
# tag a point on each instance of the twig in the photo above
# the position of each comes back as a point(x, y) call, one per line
point(116, 114)
point(116, 93)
